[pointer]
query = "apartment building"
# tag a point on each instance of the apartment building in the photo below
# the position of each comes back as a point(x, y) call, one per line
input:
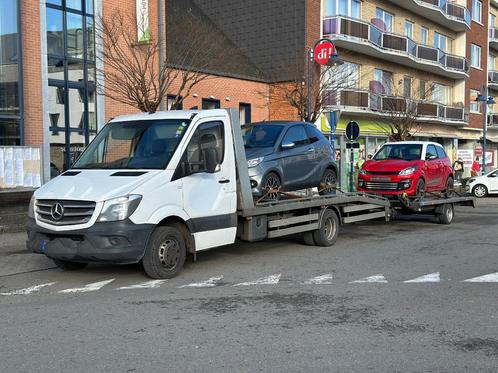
point(426, 57)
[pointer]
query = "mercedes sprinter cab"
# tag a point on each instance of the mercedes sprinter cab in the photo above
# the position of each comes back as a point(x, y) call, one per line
point(146, 187)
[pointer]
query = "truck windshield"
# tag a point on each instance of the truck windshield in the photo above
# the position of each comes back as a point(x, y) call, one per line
point(140, 144)
point(262, 135)
point(407, 152)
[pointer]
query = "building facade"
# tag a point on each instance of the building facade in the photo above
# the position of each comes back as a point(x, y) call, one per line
point(427, 57)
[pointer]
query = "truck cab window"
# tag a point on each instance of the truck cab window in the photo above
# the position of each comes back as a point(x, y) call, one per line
point(205, 150)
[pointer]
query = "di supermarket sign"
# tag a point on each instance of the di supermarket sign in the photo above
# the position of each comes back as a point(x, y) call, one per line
point(143, 32)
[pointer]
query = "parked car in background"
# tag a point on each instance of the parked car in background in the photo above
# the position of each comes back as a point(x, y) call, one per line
point(481, 186)
point(288, 156)
point(411, 167)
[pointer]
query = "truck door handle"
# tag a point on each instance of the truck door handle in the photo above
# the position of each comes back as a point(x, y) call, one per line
point(224, 181)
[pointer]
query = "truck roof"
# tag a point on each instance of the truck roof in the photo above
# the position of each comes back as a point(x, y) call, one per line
point(171, 114)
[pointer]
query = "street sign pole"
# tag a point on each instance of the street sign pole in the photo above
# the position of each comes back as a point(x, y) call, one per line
point(352, 134)
point(351, 168)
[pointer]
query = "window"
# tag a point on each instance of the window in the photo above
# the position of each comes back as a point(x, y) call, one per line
point(347, 8)
point(477, 11)
point(261, 135)
point(10, 72)
point(385, 78)
point(441, 42)
point(297, 135)
point(475, 56)
point(170, 100)
point(348, 74)
point(244, 113)
point(491, 62)
point(441, 153)
point(407, 152)
point(386, 17)
point(475, 106)
point(407, 87)
point(209, 103)
point(422, 90)
point(205, 150)
point(409, 29)
point(424, 35)
point(431, 152)
point(492, 20)
point(440, 93)
point(314, 134)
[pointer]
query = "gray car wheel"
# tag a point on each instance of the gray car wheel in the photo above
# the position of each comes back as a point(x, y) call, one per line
point(270, 186)
point(329, 182)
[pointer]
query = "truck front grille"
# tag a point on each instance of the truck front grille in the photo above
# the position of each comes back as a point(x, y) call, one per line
point(381, 186)
point(64, 212)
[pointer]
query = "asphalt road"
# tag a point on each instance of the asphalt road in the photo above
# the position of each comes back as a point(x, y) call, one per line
point(341, 309)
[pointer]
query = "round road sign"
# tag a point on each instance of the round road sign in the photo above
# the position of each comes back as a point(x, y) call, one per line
point(324, 50)
point(352, 130)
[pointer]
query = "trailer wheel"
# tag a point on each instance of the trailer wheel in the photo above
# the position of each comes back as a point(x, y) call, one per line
point(326, 235)
point(447, 213)
point(165, 253)
point(69, 266)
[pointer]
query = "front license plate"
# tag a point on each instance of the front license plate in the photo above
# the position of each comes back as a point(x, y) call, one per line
point(381, 179)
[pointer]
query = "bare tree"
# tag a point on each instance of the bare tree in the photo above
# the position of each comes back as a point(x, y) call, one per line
point(133, 74)
point(400, 110)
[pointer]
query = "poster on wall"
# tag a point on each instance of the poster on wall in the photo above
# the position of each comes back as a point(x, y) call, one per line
point(20, 167)
point(489, 156)
point(143, 32)
point(467, 156)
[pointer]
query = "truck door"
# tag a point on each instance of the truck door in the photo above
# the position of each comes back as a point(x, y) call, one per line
point(207, 171)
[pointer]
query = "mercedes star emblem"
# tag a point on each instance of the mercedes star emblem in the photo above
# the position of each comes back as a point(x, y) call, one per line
point(57, 211)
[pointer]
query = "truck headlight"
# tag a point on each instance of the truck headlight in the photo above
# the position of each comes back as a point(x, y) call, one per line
point(119, 208)
point(254, 162)
point(31, 208)
point(408, 171)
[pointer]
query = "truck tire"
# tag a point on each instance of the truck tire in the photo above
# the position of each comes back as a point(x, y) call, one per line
point(308, 239)
point(326, 235)
point(447, 213)
point(69, 266)
point(165, 253)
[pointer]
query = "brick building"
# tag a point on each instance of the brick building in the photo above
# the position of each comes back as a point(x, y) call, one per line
point(407, 52)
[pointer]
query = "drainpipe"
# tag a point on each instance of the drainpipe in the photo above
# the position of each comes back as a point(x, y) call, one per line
point(161, 39)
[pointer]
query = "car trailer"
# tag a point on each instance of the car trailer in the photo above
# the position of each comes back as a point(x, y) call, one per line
point(439, 205)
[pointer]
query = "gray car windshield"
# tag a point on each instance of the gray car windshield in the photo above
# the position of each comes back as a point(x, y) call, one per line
point(407, 152)
point(262, 135)
point(141, 144)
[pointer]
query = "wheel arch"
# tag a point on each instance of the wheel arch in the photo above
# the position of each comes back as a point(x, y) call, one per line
point(184, 226)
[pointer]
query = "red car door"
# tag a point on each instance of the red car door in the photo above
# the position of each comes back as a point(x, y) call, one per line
point(432, 169)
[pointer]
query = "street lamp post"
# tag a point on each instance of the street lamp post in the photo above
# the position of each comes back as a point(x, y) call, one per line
point(485, 100)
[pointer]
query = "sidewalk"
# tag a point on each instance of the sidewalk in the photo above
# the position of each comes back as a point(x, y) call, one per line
point(15, 258)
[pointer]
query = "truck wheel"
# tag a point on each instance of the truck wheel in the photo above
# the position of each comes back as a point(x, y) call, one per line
point(165, 253)
point(447, 213)
point(69, 266)
point(326, 235)
point(328, 184)
point(308, 239)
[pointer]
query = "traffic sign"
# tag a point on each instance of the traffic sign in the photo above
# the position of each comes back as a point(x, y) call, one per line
point(323, 52)
point(352, 145)
point(352, 130)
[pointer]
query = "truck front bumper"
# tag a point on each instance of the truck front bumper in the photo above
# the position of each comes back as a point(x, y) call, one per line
point(113, 242)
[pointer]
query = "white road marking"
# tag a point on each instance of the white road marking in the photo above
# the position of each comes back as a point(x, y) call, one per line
point(209, 283)
point(492, 277)
point(320, 280)
point(269, 280)
point(144, 285)
point(26, 291)
point(371, 279)
point(431, 277)
point(87, 288)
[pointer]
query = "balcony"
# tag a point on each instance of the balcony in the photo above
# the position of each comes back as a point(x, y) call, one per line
point(493, 79)
point(363, 37)
point(493, 38)
point(366, 102)
point(453, 16)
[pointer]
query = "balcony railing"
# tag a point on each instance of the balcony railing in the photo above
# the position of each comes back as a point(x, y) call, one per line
point(493, 37)
point(493, 77)
point(363, 99)
point(364, 31)
point(450, 9)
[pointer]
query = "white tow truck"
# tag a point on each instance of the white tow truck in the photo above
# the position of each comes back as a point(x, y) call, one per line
point(153, 188)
